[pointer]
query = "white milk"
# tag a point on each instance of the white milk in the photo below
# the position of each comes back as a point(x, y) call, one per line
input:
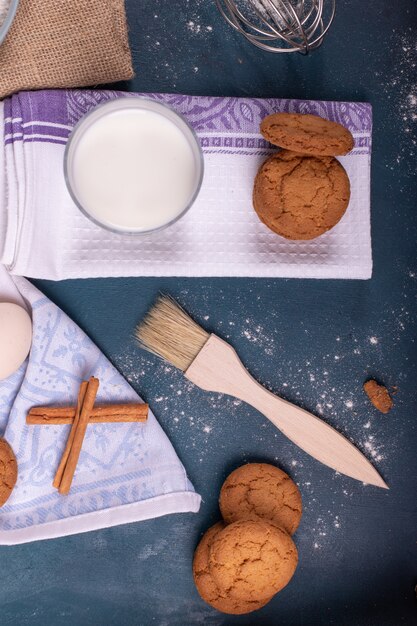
point(134, 169)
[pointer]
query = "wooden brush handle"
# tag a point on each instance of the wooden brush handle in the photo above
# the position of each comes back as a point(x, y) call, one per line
point(218, 368)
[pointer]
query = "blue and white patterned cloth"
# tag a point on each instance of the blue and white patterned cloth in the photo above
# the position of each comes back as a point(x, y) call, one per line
point(126, 472)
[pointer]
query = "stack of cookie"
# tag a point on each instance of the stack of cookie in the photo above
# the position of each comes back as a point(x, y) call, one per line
point(244, 560)
point(302, 191)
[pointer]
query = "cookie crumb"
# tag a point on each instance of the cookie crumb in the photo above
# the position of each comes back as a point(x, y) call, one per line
point(378, 395)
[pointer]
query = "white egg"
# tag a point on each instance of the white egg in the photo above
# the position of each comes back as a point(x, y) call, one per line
point(15, 337)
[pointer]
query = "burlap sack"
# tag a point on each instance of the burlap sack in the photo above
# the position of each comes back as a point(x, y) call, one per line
point(65, 43)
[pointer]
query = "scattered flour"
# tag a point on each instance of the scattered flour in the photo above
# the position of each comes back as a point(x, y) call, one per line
point(373, 449)
point(194, 27)
point(151, 550)
point(256, 334)
point(401, 93)
point(329, 386)
point(323, 526)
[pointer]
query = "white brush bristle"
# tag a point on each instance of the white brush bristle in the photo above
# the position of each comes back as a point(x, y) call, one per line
point(171, 334)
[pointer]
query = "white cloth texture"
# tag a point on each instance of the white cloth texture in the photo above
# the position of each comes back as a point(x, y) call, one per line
point(44, 235)
point(126, 471)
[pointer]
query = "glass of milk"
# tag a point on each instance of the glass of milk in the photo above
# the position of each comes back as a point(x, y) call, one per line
point(133, 165)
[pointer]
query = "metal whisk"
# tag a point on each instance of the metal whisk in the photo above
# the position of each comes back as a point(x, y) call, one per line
point(280, 25)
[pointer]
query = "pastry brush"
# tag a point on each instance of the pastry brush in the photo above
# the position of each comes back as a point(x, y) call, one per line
point(213, 365)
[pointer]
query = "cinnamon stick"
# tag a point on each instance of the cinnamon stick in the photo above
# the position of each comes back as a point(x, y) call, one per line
point(80, 429)
point(58, 416)
point(60, 471)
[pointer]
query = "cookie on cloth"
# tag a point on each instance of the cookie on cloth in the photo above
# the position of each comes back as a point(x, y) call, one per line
point(261, 491)
point(307, 134)
point(8, 471)
point(300, 197)
point(252, 560)
point(207, 588)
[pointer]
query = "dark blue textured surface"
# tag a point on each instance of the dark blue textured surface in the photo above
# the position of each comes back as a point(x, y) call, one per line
point(314, 342)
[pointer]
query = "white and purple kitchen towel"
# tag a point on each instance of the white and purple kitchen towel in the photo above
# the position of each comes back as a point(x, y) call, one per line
point(126, 472)
point(43, 234)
